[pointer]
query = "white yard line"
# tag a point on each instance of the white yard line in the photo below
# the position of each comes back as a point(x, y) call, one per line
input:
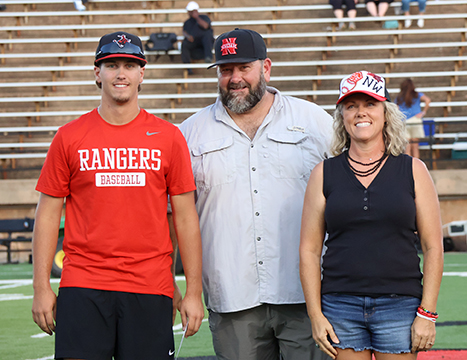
point(6, 297)
point(9, 284)
point(461, 274)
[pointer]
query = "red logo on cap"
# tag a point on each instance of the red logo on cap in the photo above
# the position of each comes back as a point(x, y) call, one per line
point(351, 82)
point(376, 77)
point(229, 46)
point(122, 41)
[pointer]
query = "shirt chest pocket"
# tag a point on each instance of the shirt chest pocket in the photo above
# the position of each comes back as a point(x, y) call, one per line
point(214, 162)
point(289, 155)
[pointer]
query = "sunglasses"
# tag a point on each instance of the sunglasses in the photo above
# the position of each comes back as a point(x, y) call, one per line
point(114, 48)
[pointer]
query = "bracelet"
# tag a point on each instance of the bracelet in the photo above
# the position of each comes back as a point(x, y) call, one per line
point(426, 312)
point(426, 317)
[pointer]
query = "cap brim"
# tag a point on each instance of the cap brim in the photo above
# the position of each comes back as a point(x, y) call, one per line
point(373, 95)
point(233, 61)
point(142, 61)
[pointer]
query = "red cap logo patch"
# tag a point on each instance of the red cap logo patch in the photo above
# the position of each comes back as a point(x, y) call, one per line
point(122, 41)
point(351, 82)
point(229, 46)
point(376, 77)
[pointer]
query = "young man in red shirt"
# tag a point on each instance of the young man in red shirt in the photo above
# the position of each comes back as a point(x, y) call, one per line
point(116, 167)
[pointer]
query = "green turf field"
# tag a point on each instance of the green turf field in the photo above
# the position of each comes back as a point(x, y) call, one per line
point(21, 339)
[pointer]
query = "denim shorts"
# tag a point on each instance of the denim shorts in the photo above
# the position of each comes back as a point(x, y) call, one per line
point(382, 324)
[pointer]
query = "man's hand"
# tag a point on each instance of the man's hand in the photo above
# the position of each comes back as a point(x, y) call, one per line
point(177, 301)
point(192, 309)
point(44, 310)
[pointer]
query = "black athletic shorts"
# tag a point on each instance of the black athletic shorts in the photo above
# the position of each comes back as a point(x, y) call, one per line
point(101, 325)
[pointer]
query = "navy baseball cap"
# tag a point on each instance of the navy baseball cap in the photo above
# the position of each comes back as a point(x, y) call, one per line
point(239, 46)
point(120, 44)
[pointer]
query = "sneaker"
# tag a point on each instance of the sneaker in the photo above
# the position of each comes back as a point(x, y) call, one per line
point(2, 7)
point(190, 72)
point(208, 60)
point(79, 5)
point(352, 26)
point(420, 23)
point(341, 26)
point(407, 23)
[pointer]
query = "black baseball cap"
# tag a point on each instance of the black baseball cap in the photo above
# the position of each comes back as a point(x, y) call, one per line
point(239, 46)
point(120, 44)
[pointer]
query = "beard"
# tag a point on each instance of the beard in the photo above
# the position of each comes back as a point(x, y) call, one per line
point(239, 104)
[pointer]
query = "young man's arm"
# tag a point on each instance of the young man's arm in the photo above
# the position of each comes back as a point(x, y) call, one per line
point(177, 299)
point(44, 244)
point(188, 234)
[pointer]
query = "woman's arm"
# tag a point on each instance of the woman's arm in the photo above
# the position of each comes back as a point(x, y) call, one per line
point(311, 244)
point(427, 102)
point(431, 238)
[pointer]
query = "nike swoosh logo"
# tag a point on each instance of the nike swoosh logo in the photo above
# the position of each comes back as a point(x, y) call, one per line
point(154, 133)
point(171, 352)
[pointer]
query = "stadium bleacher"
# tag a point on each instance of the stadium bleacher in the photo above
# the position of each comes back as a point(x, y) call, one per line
point(45, 87)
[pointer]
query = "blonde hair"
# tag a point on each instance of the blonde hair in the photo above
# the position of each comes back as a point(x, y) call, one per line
point(394, 135)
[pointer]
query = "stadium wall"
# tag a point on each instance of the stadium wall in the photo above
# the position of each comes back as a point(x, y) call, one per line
point(19, 199)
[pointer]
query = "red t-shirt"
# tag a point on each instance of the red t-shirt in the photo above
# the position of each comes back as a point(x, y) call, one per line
point(116, 180)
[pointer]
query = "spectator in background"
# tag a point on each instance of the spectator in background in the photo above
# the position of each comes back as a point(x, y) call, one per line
point(198, 36)
point(421, 10)
point(409, 103)
point(377, 7)
point(80, 4)
point(339, 12)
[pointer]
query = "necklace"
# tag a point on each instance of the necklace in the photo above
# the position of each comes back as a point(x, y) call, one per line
point(364, 173)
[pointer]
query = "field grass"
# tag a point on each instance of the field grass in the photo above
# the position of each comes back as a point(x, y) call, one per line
point(21, 339)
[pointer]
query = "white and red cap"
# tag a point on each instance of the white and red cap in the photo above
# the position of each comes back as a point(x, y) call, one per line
point(364, 82)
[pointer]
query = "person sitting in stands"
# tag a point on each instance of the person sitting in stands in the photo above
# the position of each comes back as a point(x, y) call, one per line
point(421, 10)
point(199, 37)
point(339, 12)
point(377, 7)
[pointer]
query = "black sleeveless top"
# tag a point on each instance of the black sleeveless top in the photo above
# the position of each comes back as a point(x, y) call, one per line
point(371, 245)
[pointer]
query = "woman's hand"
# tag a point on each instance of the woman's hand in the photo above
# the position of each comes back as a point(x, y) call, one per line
point(423, 334)
point(322, 331)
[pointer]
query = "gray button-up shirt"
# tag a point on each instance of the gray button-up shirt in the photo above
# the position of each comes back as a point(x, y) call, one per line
point(250, 197)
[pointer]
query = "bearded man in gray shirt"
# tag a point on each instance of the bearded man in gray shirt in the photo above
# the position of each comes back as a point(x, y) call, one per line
point(252, 153)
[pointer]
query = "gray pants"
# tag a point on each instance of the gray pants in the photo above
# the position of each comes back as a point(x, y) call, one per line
point(266, 332)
